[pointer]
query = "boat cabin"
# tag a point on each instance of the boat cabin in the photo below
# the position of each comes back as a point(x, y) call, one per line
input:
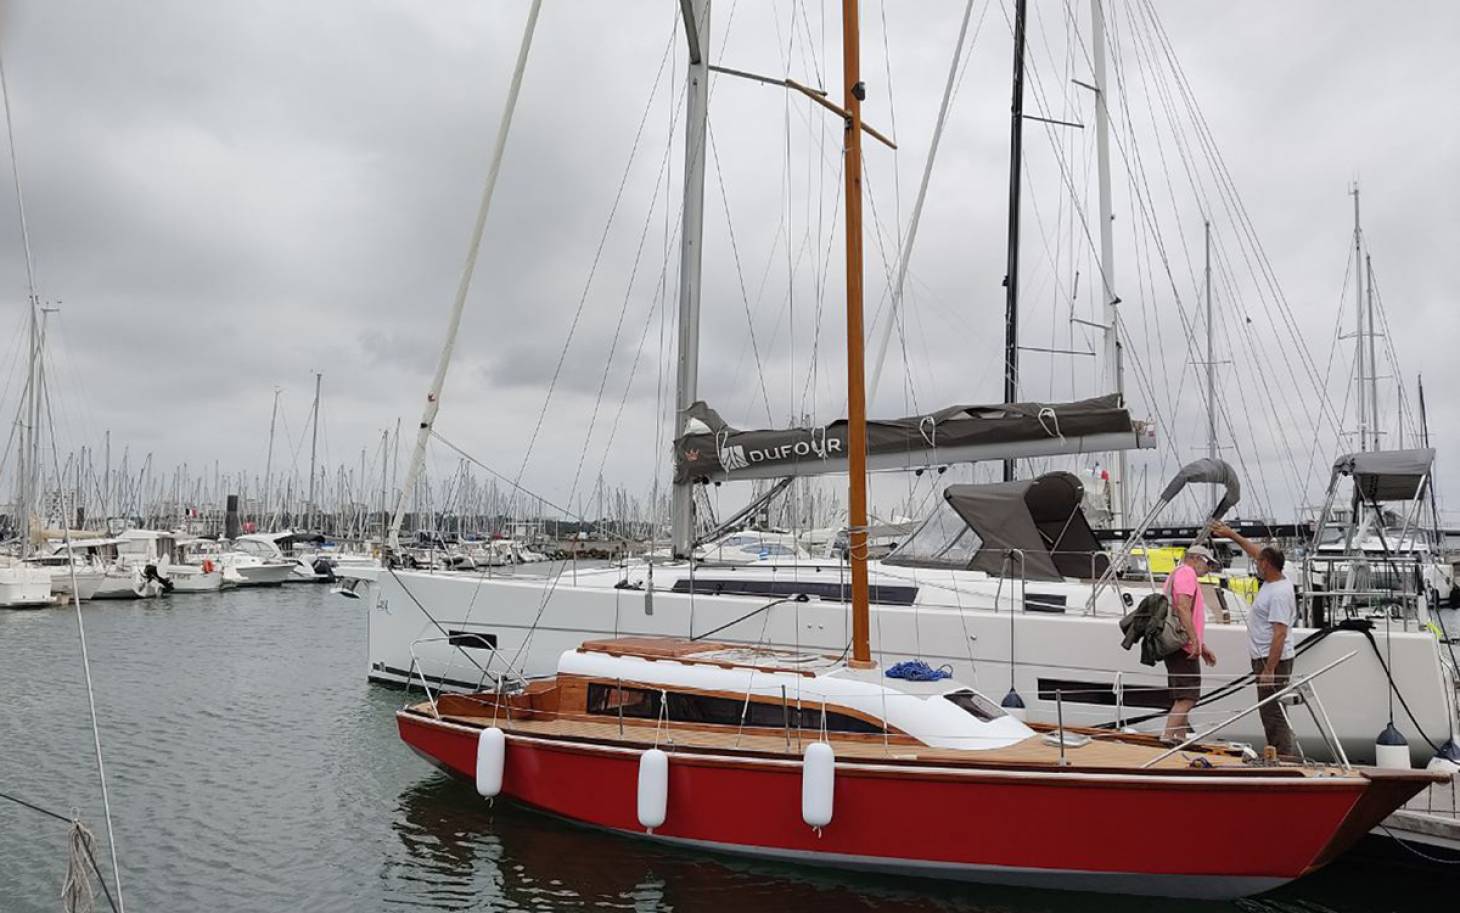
point(701, 695)
point(148, 545)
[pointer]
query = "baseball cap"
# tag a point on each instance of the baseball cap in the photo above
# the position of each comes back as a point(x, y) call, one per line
point(1201, 551)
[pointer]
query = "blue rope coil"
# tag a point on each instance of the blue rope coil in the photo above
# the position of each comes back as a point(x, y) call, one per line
point(915, 670)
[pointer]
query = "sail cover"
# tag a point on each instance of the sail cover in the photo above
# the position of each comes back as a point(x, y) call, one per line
point(712, 450)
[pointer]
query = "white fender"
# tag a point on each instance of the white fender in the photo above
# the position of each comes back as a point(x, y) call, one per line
point(818, 782)
point(653, 788)
point(1391, 749)
point(491, 761)
point(1394, 757)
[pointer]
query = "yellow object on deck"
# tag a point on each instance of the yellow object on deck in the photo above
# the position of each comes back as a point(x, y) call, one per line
point(1161, 560)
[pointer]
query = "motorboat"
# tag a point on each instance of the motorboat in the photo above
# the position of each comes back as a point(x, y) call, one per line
point(254, 560)
point(167, 555)
point(305, 552)
point(796, 757)
point(122, 577)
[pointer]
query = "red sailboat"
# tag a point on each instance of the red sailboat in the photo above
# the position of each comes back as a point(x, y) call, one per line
point(827, 761)
point(807, 759)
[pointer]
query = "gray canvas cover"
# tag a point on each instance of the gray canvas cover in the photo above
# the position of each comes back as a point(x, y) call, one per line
point(1387, 475)
point(721, 451)
point(1213, 471)
point(1039, 517)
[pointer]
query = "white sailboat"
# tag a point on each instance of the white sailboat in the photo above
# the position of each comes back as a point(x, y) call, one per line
point(1005, 602)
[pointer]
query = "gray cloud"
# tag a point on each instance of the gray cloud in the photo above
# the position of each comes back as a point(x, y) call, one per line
point(228, 197)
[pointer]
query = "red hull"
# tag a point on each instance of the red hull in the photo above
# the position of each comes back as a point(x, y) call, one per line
point(1169, 836)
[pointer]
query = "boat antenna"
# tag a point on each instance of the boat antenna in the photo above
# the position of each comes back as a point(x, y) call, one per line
point(1011, 274)
point(855, 92)
point(433, 397)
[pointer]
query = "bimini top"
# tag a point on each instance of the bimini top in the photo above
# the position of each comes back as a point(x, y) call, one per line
point(1387, 475)
point(992, 526)
point(712, 450)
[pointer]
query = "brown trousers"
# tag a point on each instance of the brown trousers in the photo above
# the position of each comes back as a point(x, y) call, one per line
point(1274, 720)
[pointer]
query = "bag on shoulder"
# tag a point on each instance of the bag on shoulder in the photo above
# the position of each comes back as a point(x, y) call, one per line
point(1169, 636)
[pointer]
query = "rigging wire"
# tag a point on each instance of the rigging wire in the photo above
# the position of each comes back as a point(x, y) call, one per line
point(85, 662)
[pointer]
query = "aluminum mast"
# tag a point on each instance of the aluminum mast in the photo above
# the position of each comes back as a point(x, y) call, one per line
point(1110, 315)
point(1011, 274)
point(696, 16)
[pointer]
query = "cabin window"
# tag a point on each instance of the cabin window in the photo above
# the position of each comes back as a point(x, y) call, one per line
point(879, 594)
point(646, 704)
point(1103, 693)
point(975, 704)
point(472, 640)
point(254, 548)
point(944, 540)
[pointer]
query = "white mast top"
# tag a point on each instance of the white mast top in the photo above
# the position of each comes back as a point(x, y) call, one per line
point(438, 384)
point(1114, 370)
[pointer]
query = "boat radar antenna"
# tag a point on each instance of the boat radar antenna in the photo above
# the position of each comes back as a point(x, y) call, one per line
point(453, 325)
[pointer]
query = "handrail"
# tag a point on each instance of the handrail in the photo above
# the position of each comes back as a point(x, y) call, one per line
point(499, 678)
point(1291, 686)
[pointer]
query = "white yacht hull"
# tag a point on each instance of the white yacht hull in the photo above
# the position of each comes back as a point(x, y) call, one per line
point(269, 574)
point(189, 579)
point(1064, 657)
point(24, 587)
point(125, 583)
point(88, 581)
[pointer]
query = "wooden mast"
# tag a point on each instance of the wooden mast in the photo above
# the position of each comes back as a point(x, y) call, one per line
point(854, 92)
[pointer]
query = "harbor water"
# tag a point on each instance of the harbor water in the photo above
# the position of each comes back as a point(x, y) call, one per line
point(252, 768)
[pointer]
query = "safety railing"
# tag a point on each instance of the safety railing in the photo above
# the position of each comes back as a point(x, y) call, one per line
point(1302, 685)
point(499, 679)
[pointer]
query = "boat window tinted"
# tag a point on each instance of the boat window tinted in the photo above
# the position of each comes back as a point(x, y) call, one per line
point(878, 593)
point(944, 540)
point(646, 704)
point(976, 704)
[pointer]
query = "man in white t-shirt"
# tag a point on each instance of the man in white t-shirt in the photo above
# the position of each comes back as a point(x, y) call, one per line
point(1269, 635)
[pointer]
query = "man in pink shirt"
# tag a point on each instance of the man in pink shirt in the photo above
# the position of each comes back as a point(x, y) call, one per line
point(1183, 668)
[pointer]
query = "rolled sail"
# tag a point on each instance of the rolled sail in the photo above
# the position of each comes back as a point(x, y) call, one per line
point(711, 450)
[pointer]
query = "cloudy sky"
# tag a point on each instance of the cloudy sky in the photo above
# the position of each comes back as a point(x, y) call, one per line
point(228, 197)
